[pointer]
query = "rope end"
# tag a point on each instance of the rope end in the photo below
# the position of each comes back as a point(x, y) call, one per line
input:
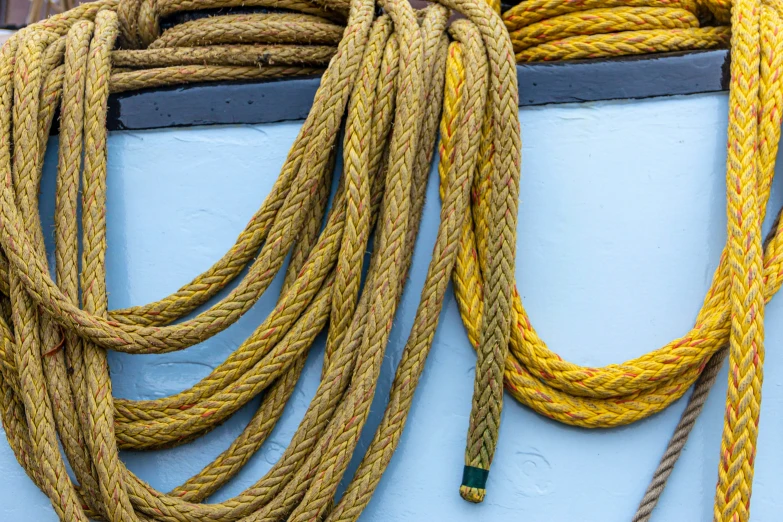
point(475, 495)
point(474, 481)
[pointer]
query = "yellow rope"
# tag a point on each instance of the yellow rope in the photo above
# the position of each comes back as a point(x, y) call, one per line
point(544, 30)
point(733, 309)
point(388, 75)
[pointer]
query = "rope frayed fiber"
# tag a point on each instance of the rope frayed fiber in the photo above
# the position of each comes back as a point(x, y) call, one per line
point(396, 78)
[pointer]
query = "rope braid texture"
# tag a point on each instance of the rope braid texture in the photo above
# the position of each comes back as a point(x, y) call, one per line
point(396, 78)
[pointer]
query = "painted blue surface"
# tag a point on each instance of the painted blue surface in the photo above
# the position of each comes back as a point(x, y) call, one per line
point(620, 228)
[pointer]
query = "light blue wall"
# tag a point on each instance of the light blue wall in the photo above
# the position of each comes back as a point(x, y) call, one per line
point(621, 225)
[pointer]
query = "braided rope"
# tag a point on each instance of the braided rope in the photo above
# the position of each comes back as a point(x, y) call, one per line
point(389, 75)
point(502, 179)
point(733, 309)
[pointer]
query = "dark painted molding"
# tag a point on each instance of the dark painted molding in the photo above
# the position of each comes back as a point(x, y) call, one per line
point(630, 77)
point(213, 104)
point(539, 83)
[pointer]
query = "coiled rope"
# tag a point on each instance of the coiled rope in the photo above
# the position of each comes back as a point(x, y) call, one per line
point(388, 75)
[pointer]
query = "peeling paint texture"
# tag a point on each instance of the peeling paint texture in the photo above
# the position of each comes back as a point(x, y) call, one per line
point(622, 220)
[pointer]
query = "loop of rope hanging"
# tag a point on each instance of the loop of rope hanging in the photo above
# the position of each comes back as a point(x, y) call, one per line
point(747, 276)
point(395, 77)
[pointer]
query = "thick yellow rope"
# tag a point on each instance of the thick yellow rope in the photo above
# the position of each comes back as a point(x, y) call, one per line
point(733, 309)
point(387, 74)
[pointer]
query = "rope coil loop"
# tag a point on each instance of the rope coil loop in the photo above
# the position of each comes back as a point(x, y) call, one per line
point(542, 30)
point(139, 23)
point(396, 78)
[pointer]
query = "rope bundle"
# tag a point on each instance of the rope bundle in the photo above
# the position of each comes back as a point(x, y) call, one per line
point(544, 30)
point(389, 76)
point(386, 75)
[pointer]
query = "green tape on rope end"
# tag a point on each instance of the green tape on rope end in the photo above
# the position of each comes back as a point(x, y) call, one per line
point(473, 477)
point(474, 482)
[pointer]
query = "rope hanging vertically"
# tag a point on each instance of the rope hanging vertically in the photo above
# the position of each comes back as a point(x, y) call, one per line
point(392, 77)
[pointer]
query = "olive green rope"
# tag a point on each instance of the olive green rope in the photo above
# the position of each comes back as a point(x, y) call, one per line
point(386, 74)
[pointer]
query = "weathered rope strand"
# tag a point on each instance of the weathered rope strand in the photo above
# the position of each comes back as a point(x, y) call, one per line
point(676, 444)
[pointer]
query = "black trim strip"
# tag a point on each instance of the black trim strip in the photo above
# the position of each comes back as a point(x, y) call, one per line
point(213, 104)
point(644, 76)
point(188, 16)
point(539, 83)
